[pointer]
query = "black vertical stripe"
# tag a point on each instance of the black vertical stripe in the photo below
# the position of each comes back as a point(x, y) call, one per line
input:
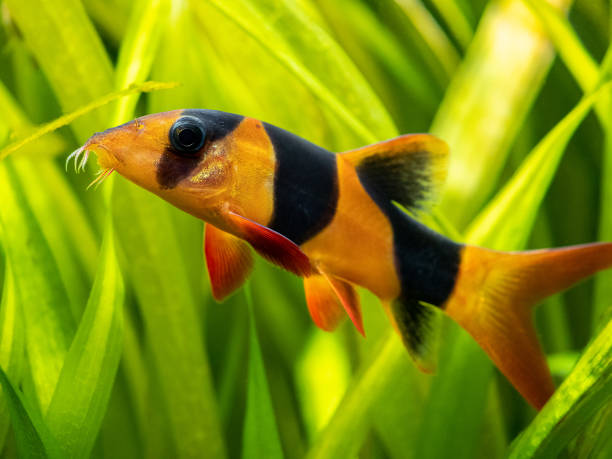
point(305, 186)
point(427, 263)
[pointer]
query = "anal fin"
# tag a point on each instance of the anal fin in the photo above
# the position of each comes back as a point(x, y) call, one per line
point(415, 324)
point(228, 259)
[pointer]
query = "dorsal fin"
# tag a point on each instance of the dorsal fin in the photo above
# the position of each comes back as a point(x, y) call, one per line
point(409, 169)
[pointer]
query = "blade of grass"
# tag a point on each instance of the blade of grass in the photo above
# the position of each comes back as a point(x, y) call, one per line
point(483, 109)
point(14, 119)
point(84, 386)
point(69, 118)
point(568, 44)
point(41, 293)
point(11, 343)
point(33, 439)
point(70, 52)
point(531, 181)
point(173, 328)
point(343, 435)
point(260, 435)
point(313, 49)
point(433, 35)
point(586, 390)
point(454, 14)
point(138, 49)
point(571, 50)
point(603, 285)
point(390, 67)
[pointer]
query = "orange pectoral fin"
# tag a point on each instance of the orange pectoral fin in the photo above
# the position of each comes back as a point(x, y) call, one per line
point(273, 246)
point(325, 309)
point(228, 259)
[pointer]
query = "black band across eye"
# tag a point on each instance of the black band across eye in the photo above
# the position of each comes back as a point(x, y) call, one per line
point(187, 135)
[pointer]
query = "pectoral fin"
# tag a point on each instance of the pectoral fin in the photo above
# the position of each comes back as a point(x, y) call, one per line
point(273, 246)
point(228, 259)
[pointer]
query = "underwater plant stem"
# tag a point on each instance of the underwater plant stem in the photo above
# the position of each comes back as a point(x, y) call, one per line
point(351, 420)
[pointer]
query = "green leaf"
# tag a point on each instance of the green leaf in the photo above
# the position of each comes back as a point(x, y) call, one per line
point(260, 434)
point(146, 229)
point(84, 386)
point(484, 108)
point(12, 357)
point(49, 324)
point(309, 54)
point(346, 430)
point(586, 390)
point(17, 122)
point(603, 285)
point(571, 50)
point(138, 49)
point(523, 194)
point(70, 52)
point(69, 118)
point(33, 440)
point(454, 14)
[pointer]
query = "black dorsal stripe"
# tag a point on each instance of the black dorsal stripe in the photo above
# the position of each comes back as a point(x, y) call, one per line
point(305, 186)
point(427, 263)
point(172, 167)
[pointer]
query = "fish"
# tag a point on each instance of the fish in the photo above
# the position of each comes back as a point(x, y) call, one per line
point(342, 221)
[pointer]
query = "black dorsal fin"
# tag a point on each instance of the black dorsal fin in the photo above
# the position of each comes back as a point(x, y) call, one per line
point(408, 169)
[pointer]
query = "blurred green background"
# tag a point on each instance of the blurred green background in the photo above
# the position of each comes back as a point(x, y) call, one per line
point(110, 343)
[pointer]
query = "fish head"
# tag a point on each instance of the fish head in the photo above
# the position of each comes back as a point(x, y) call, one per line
point(187, 157)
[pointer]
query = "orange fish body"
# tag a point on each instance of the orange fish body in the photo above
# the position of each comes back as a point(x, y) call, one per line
point(334, 220)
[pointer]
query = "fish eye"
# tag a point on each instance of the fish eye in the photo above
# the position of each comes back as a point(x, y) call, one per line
point(187, 135)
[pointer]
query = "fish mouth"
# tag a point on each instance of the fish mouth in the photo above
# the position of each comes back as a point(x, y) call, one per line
point(106, 160)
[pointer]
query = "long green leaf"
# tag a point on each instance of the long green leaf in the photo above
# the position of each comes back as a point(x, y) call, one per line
point(33, 440)
point(484, 108)
point(14, 119)
point(12, 357)
point(81, 111)
point(41, 293)
point(365, 116)
point(170, 313)
point(83, 389)
point(67, 47)
point(260, 435)
point(523, 194)
point(586, 390)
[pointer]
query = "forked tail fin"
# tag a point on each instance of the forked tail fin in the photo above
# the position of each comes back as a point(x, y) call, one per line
point(492, 300)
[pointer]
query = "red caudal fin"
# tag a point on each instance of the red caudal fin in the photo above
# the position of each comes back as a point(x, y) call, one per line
point(228, 259)
point(493, 297)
